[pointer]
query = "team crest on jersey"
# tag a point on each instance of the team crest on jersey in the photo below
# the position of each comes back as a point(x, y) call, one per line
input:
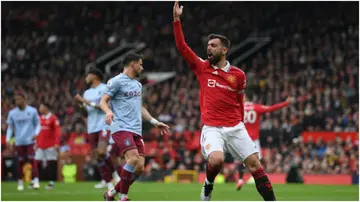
point(207, 147)
point(109, 83)
point(231, 79)
point(127, 142)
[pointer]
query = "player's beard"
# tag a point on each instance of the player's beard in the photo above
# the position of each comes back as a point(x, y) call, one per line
point(215, 59)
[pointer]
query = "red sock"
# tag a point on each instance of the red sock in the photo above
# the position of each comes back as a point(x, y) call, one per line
point(117, 187)
point(133, 179)
point(20, 169)
point(118, 170)
point(211, 172)
point(34, 168)
point(263, 185)
point(109, 164)
point(105, 171)
point(126, 178)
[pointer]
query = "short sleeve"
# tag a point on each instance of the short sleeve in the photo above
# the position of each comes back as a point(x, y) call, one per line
point(112, 87)
point(9, 120)
point(242, 83)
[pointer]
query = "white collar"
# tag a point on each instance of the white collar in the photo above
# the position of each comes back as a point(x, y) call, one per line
point(225, 69)
point(47, 116)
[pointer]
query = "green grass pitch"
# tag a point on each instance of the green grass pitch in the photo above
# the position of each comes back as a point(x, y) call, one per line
point(84, 191)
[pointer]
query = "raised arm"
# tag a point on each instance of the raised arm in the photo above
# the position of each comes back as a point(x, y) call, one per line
point(181, 45)
point(265, 109)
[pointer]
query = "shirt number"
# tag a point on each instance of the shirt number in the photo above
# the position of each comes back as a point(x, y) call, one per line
point(250, 116)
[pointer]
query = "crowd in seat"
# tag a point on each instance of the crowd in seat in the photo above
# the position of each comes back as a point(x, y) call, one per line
point(45, 50)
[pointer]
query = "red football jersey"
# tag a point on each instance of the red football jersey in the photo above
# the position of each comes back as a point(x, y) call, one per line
point(50, 131)
point(221, 97)
point(253, 114)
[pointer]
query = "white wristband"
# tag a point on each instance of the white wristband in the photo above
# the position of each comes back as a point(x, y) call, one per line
point(154, 121)
point(93, 104)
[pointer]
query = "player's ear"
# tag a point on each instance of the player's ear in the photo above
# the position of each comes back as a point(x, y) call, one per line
point(225, 50)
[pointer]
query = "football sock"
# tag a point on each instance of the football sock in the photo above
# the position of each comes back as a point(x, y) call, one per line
point(34, 169)
point(126, 178)
point(52, 170)
point(263, 185)
point(20, 169)
point(241, 170)
point(104, 171)
point(134, 177)
point(211, 172)
point(109, 164)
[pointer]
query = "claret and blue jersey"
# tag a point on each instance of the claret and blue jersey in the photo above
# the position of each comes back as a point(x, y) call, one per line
point(125, 103)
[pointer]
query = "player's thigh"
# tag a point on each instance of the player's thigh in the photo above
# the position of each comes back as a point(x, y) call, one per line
point(258, 148)
point(50, 154)
point(125, 142)
point(93, 140)
point(211, 141)
point(30, 151)
point(103, 141)
point(140, 145)
point(239, 143)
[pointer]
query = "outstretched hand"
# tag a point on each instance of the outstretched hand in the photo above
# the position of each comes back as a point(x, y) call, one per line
point(177, 11)
point(163, 128)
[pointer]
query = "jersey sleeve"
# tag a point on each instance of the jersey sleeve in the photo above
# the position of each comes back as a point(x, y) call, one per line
point(242, 83)
point(112, 87)
point(190, 57)
point(9, 131)
point(10, 120)
point(36, 122)
point(57, 128)
point(266, 109)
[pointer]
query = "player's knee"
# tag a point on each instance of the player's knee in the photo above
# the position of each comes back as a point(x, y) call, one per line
point(133, 159)
point(100, 156)
point(252, 162)
point(139, 169)
point(216, 158)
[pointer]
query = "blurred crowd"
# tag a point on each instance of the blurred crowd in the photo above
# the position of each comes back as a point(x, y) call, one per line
point(313, 52)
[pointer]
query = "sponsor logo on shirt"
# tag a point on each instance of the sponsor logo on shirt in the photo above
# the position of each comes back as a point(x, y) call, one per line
point(212, 83)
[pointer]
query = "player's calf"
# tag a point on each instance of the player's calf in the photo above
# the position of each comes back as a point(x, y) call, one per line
point(263, 185)
point(133, 160)
point(105, 169)
point(215, 162)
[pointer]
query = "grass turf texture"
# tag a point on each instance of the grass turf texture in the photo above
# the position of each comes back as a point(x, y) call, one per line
point(84, 191)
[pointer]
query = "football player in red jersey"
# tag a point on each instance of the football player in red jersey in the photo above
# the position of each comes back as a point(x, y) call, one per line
point(48, 143)
point(252, 118)
point(222, 110)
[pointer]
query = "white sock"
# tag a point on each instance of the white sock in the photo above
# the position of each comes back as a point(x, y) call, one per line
point(112, 192)
point(103, 182)
point(36, 180)
point(123, 196)
point(51, 182)
point(110, 185)
point(20, 182)
point(207, 181)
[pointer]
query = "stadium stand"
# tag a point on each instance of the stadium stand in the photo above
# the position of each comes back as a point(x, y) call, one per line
point(313, 52)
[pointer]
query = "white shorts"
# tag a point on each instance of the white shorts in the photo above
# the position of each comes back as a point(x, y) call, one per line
point(48, 154)
point(234, 140)
point(258, 147)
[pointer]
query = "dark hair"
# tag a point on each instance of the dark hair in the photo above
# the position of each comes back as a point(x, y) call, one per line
point(224, 41)
point(46, 104)
point(131, 57)
point(21, 94)
point(96, 72)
